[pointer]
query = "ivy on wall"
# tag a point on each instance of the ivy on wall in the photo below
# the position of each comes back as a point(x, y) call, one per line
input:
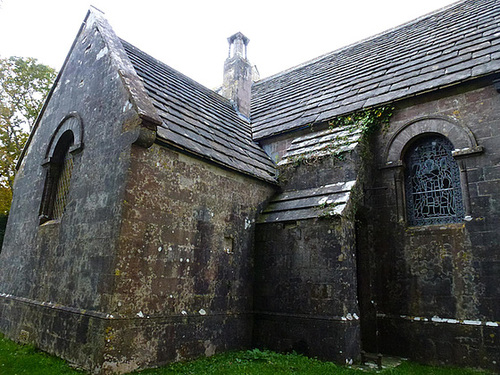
point(346, 133)
point(368, 121)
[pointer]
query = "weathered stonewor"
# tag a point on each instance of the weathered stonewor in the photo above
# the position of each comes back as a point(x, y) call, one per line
point(151, 261)
point(436, 286)
point(177, 235)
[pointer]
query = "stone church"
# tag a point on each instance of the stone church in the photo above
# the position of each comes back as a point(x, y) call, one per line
point(350, 203)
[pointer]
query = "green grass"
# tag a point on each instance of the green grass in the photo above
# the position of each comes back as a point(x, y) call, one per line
point(412, 368)
point(24, 359)
point(263, 362)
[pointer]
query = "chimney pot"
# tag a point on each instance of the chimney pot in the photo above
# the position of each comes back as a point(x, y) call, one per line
point(238, 45)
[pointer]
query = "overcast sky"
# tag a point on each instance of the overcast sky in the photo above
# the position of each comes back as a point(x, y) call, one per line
point(191, 35)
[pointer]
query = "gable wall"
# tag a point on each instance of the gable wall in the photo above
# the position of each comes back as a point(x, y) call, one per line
point(56, 278)
point(436, 286)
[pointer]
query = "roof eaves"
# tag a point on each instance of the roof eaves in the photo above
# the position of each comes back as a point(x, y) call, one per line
point(263, 174)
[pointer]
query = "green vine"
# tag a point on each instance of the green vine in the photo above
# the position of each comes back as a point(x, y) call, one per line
point(367, 121)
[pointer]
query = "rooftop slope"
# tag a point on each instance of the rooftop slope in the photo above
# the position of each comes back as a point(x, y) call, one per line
point(198, 120)
point(323, 201)
point(446, 47)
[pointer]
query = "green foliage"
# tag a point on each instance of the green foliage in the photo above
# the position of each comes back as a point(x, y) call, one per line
point(261, 362)
point(5, 199)
point(368, 121)
point(25, 359)
point(23, 85)
point(411, 368)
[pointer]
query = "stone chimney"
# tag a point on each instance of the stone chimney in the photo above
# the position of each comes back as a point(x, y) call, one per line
point(237, 84)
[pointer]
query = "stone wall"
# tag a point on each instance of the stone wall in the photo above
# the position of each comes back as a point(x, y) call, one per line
point(56, 278)
point(185, 260)
point(429, 293)
point(305, 273)
point(436, 286)
point(69, 333)
point(152, 259)
point(305, 289)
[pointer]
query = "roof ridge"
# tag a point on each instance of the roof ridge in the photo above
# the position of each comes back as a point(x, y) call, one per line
point(361, 41)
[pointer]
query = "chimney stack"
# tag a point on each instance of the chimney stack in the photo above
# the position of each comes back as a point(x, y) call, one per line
point(237, 84)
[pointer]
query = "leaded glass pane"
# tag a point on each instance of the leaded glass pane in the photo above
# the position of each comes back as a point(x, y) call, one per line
point(433, 191)
point(63, 186)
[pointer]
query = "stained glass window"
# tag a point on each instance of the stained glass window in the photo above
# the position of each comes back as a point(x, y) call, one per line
point(433, 192)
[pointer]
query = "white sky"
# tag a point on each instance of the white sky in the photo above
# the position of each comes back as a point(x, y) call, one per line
point(191, 35)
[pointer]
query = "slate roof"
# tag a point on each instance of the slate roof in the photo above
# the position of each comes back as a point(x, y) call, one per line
point(318, 144)
point(449, 46)
point(328, 200)
point(198, 120)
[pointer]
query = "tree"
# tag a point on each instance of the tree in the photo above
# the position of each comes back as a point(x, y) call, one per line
point(24, 83)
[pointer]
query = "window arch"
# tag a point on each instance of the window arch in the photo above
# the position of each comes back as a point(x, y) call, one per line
point(432, 182)
point(65, 143)
point(59, 170)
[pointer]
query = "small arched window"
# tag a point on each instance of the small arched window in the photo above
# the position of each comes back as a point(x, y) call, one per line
point(60, 168)
point(432, 183)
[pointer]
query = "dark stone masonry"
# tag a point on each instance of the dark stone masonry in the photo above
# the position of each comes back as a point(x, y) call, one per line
point(154, 220)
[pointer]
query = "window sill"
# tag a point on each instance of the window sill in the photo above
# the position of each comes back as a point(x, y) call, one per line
point(424, 229)
point(50, 222)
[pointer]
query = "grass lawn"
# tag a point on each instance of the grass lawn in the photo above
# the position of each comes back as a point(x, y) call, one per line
point(25, 359)
point(257, 362)
point(18, 359)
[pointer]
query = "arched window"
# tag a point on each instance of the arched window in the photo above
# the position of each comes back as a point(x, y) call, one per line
point(432, 183)
point(60, 168)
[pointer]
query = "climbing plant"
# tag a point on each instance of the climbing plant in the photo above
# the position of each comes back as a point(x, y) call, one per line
point(24, 83)
point(348, 131)
point(368, 120)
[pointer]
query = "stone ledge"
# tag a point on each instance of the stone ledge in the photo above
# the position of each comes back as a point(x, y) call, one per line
point(107, 316)
point(437, 319)
point(349, 318)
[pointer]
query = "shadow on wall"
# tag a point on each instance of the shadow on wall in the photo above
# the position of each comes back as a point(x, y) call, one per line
point(3, 225)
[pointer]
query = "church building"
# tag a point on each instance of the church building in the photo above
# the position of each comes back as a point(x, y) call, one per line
point(349, 204)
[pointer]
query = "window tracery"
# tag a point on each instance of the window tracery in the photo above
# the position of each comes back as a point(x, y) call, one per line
point(432, 183)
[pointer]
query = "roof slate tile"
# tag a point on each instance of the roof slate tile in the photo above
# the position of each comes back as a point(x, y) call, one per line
point(198, 120)
point(486, 68)
point(443, 48)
